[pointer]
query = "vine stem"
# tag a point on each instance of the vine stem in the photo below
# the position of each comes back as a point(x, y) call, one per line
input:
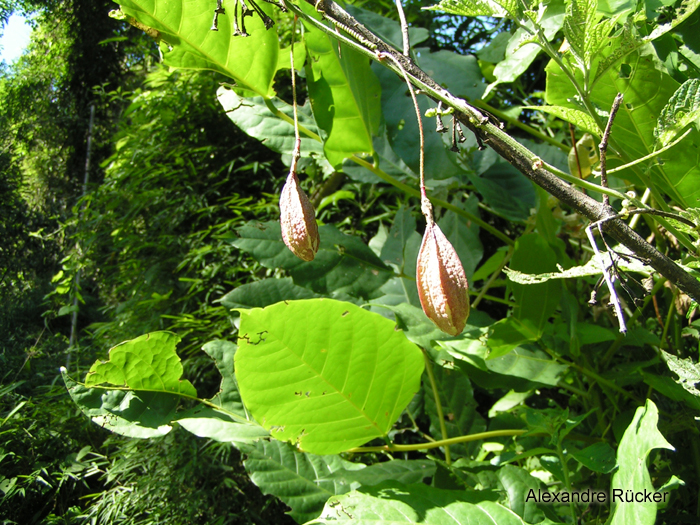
point(425, 205)
point(297, 139)
point(442, 443)
point(438, 405)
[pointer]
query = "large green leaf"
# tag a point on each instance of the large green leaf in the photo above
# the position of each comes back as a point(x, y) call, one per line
point(392, 503)
point(647, 89)
point(632, 477)
point(325, 374)
point(343, 263)
point(344, 93)
point(185, 27)
point(301, 480)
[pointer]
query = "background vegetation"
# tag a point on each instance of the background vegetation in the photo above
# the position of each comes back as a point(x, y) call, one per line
point(157, 239)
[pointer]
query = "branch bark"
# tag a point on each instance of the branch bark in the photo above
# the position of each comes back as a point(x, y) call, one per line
point(517, 154)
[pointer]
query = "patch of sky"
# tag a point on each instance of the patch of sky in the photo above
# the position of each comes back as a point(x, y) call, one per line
point(14, 38)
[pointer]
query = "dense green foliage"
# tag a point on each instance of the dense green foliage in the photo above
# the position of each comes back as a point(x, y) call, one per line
point(326, 378)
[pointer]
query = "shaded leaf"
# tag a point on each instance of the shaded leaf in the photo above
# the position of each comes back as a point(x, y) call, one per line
point(458, 406)
point(263, 293)
point(297, 478)
point(139, 415)
point(254, 117)
point(343, 263)
point(599, 457)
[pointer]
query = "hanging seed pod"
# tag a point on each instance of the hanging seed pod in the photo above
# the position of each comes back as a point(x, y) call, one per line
point(442, 283)
point(298, 220)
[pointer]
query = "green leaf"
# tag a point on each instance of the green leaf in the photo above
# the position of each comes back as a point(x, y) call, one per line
point(599, 457)
point(263, 293)
point(502, 186)
point(592, 267)
point(520, 54)
point(344, 93)
point(463, 234)
point(299, 479)
point(392, 503)
point(254, 117)
point(532, 365)
point(402, 129)
point(578, 118)
point(509, 333)
point(207, 422)
point(148, 372)
point(517, 483)
point(401, 470)
point(472, 8)
point(228, 397)
point(535, 302)
point(387, 29)
point(343, 264)
point(491, 265)
point(148, 363)
point(403, 229)
point(185, 27)
point(458, 73)
point(284, 60)
point(330, 385)
point(458, 406)
point(640, 438)
point(682, 109)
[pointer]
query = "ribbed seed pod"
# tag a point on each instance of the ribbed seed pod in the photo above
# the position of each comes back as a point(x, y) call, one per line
point(298, 220)
point(442, 283)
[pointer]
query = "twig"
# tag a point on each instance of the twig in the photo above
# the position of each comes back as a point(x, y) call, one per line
point(404, 28)
point(604, 147)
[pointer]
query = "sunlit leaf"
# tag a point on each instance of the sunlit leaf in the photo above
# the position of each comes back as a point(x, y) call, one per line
point(327, 385)
point(640, 438)
point(185, 27)
point(344, 93)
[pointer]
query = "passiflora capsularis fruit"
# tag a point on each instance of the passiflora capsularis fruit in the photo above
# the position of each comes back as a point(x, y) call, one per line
point(298, 220)
point(442, 284)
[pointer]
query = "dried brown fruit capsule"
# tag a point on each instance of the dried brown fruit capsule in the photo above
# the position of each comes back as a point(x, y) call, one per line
point(298, 220)
point(442, 283)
